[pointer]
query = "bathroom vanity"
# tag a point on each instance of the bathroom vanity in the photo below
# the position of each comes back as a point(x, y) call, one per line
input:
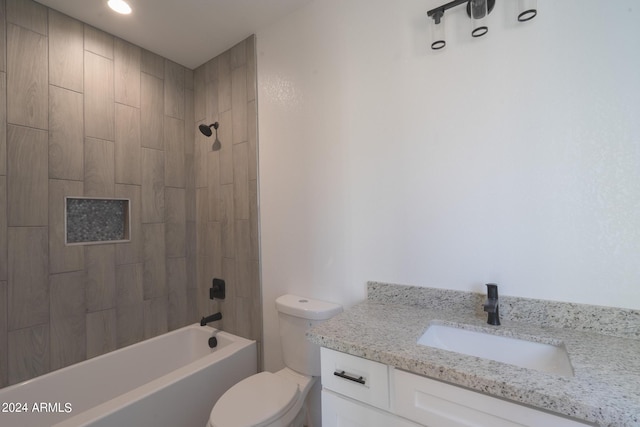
point(361, 392)
point(379, 369)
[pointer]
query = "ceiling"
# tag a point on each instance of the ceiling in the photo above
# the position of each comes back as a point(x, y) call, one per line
point(189, 32)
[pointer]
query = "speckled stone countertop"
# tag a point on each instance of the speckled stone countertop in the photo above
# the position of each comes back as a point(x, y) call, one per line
point(604, 390)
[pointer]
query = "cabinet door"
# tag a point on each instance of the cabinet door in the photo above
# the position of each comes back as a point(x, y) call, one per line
point(339, 411)
point(437, 404)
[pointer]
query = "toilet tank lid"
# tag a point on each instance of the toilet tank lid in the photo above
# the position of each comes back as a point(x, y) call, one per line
point(307, 308)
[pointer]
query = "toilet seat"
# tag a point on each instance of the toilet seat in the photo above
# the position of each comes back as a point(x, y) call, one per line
point(255, 401)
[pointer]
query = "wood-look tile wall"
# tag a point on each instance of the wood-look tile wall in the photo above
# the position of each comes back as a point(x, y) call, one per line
point(226, 190)
point(83, 113)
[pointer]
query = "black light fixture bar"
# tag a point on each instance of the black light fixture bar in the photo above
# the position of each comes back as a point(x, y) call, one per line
point(437, 12)
point(444, 7)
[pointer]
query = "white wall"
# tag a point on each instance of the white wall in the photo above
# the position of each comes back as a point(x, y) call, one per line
point(514, 158)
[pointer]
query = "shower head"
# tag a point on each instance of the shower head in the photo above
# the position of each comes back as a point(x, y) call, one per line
point(206, 130)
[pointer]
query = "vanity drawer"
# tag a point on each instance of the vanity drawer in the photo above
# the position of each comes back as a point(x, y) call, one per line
point(360, 379)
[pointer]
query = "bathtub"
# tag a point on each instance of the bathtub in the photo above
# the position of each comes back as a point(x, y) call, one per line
point(171, 380)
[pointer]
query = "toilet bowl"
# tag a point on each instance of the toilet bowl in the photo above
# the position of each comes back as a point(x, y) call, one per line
point(279, 399)
point(264, 400)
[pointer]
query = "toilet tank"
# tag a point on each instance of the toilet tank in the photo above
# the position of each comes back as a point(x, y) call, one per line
point(297, 314)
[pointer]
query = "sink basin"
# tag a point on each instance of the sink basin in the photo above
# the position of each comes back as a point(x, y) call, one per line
point(526, 354)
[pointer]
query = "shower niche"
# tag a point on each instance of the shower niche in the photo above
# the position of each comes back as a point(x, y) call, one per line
point(95, 220)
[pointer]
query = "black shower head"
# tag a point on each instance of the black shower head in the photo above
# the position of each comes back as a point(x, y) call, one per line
point(206, 130)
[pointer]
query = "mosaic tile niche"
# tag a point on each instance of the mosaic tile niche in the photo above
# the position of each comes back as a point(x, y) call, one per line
point(96, 220)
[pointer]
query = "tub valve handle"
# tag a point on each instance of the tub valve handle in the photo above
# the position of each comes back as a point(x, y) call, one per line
point(217, 289)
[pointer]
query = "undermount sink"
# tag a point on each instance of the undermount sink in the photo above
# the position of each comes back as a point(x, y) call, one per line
point(526, 354)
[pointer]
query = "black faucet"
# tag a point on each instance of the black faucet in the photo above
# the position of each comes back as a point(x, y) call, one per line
point(491, 306)
point(209, 319)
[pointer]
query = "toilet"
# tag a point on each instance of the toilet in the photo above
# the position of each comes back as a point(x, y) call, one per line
point(278, 399)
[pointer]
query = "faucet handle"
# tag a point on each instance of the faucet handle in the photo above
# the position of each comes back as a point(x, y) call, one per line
point(217, 290)
point(492, 290)
point(492, 306)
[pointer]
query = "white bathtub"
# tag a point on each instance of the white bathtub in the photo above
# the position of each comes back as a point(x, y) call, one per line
point(171, 380)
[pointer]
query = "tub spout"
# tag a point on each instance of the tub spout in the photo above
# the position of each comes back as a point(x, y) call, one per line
point(209, 319)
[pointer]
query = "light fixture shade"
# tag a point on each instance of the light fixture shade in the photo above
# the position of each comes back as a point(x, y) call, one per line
point(438, 33)
point(120, 6)
point(527, 10)
point(479, 12)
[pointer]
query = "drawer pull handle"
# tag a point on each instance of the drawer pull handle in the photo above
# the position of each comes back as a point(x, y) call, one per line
point(346, 376)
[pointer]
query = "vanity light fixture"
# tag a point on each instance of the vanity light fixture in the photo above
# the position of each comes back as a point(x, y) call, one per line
point(120, 6)
point(437, 31)
point(477, 10)
point(528, 10)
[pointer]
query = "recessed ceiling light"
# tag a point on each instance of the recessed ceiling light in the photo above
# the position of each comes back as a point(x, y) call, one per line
point(120, 6)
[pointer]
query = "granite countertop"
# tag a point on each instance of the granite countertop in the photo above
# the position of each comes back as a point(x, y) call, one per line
point(605, 388)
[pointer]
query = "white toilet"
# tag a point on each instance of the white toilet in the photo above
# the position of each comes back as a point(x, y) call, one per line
point(278, 399)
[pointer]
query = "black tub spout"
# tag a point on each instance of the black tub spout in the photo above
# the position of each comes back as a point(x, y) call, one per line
point(209, 319)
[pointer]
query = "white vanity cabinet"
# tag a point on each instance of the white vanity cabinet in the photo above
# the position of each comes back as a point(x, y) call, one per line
point(364, 393)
